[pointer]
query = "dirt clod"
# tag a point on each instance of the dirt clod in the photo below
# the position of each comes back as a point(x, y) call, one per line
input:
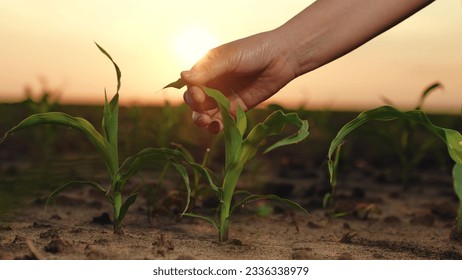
point(104, 219)
point(56, 246)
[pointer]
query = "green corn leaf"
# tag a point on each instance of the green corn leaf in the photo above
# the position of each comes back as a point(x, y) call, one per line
point(273, 125)
point(326, 200)
point(333, 165)
point(256, 197)
point(424, 95)
point(147, 156)
point(118, 73)
point(207, 219)
point(184, 175)
point(457, 180)
point(110, 122)
point(189, 157)
point(176, 84)
point(110, 131)
point(451, 138)
point(53, 195)
point(301, 134)
point(241, 120)
point(124, 208)
point(58, 118)
point(232, 133)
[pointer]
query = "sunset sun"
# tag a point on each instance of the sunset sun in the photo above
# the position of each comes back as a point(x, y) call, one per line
point(192, 43)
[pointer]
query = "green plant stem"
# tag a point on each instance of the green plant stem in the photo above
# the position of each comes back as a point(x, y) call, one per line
point(459, 219)
point(229, 185)
point(117, 203)
point(224, 222)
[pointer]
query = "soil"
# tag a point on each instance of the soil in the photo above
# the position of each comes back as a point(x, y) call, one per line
point(373, 215)
point(381, 222)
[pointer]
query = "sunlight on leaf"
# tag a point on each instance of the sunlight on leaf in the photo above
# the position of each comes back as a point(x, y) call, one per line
point(176, 84)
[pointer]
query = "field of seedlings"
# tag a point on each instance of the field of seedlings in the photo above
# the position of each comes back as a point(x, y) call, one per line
point(114, 182)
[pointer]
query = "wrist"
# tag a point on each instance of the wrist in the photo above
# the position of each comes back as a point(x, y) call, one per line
point(300, 46)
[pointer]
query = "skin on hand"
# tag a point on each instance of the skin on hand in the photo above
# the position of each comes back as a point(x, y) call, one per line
point(250, 70)
point(247, 71)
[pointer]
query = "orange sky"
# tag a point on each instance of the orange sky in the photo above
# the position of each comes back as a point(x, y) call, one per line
point(54, 39)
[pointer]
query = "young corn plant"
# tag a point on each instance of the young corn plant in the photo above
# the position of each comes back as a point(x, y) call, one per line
point(452, 139)
point(402, 141)
point(106, 143)
point(239, 149)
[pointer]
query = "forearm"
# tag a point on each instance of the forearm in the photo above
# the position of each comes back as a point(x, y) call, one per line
point(329, 29)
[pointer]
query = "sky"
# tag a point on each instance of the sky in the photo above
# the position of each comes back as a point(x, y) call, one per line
point(51, 43)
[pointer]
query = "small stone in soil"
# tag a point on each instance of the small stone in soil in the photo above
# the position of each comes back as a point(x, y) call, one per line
point(104, 219)
point(55, 217)
point(55, 246)
point(236, 242)
point(346, 226)
point(37, 225)
point(347, 238)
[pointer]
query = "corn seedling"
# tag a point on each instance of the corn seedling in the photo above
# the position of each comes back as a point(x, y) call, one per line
point(402, 141)
point(106, 143)
point(240, 148)
point(452, 139)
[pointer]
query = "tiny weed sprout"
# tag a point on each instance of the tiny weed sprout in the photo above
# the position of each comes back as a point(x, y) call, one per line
point(240, 148)
point(106, 143)
point(450, 137)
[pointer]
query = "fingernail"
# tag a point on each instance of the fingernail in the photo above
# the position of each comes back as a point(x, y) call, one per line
point(188, 74)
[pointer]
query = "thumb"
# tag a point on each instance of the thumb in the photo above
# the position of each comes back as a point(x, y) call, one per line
point(208, 68)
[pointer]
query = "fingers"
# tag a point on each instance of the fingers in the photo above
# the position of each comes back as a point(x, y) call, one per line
point(215, 127)
point(212, 122)
point(205, 110)
point(198, 100)
point(201, 119)
point(206, 72)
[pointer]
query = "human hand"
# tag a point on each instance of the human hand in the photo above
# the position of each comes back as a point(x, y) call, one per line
point(247, 71)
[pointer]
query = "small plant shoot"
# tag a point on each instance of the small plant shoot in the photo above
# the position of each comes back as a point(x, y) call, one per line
point(452, 139)
point(240, 148)
point(106, 143)
point(402, 140)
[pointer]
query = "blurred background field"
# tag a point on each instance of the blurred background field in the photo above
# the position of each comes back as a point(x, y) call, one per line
point(35, 161)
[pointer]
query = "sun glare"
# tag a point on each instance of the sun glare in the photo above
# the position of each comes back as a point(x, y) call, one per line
point(192, 43)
